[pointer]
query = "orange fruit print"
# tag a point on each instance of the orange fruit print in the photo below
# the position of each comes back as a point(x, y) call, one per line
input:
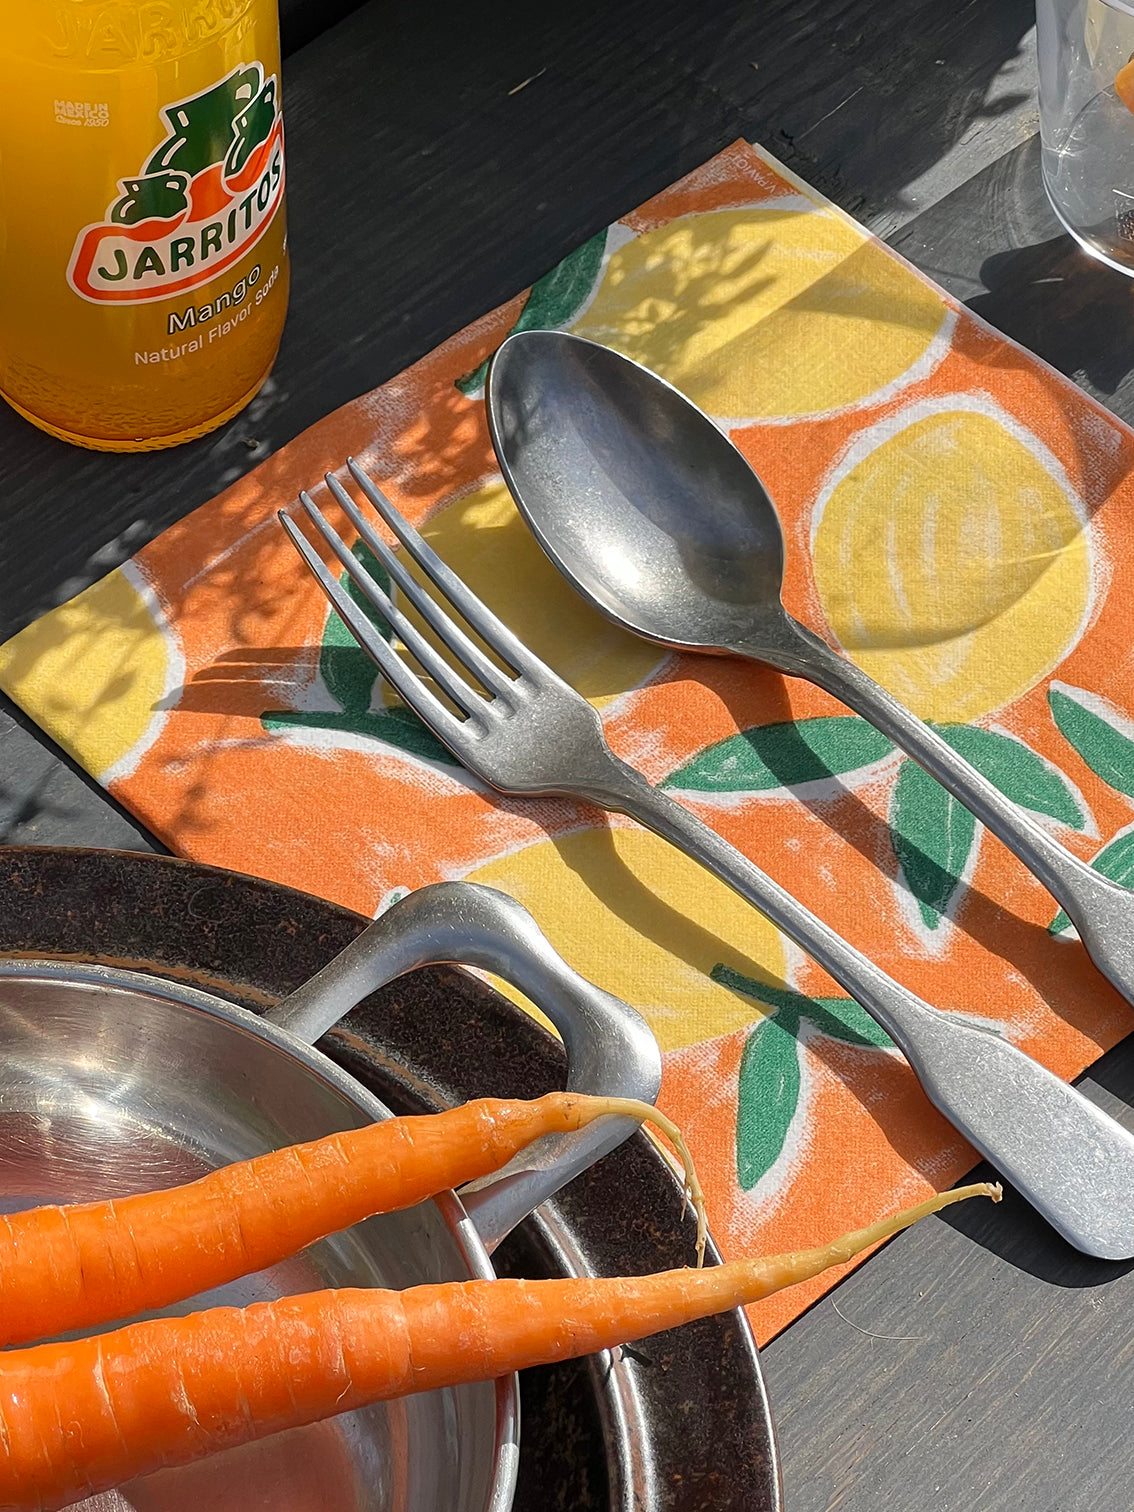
point(956, 515)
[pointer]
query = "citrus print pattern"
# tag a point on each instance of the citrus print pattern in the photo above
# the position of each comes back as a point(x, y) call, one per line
point(957, 517)
point(99, 672)
point(934, 838)
point(650, 926)
point(742, 310)
point(483, 538)
point(961, 603)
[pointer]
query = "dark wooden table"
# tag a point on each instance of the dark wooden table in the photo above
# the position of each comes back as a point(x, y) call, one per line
point(977, 1362)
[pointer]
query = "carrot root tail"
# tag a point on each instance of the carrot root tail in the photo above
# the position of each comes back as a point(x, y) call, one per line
point(644, 1112)
point(807, 1263)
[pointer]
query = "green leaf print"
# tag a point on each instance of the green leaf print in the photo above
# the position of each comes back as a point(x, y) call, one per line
point(554, 300)
point(785, 755)
point(396, 726)
point(349, 676)
point(767, 1096)
point(1017, 771)
point(1116, 861)
point(933, 836)
point(769, 1077)
point(1094, 729)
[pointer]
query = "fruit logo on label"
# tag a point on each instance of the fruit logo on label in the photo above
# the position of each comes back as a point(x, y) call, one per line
point(203, 198)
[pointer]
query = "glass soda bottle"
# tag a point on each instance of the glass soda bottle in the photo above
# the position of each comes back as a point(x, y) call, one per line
point(143, 247)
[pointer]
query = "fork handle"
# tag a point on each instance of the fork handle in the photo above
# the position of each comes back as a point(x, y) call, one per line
point(1072, 1161)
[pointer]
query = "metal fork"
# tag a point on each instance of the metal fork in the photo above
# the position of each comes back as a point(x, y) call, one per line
point(527, 731)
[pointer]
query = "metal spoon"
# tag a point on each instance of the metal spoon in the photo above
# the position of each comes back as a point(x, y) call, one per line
point(659, 522)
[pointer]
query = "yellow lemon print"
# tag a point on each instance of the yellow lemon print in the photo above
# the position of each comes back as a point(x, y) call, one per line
point(484, 540)
point(765, 313)
point(642, 920)
point(95, 671)
point(952, 565)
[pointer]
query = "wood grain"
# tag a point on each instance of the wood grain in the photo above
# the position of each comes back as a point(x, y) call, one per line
point(977, 1364)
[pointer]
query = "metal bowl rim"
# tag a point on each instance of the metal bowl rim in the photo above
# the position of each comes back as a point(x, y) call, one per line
point(464, 1232)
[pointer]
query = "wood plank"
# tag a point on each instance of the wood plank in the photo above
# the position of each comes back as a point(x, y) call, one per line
point(45, 799)
point(301, 21)
point(997, 245)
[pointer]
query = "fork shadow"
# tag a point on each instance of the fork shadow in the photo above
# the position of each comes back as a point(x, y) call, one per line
point(886, 1091)
point(1017, 1233)
point(241, 679)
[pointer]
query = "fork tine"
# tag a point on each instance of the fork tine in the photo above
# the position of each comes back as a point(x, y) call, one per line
point(429, 609)
point(443, 724)
point(465, 697)
point(491, 630)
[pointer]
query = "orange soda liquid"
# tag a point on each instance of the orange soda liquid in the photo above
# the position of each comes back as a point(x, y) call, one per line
point(143, 244)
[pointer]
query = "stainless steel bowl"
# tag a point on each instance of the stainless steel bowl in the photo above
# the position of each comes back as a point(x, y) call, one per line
point(112, 1082)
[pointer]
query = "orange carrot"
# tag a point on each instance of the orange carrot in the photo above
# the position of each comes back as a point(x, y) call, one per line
point(1124, 84)
point(76, 1418)
point(64, 1268)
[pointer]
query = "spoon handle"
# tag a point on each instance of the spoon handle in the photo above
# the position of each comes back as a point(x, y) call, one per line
point(1073, 1162)
point(1079, 890)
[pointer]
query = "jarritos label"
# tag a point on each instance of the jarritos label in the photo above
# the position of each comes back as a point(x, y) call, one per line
point(203, 198)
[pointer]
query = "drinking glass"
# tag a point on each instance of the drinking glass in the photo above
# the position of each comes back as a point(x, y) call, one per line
point(1086, 131)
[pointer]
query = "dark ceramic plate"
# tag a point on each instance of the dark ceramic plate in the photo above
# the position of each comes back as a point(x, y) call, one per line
point(679, 1423)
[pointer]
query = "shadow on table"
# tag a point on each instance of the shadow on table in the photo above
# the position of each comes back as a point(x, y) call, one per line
point(1015, 1231)
point(47, 799)
point(1074, 312)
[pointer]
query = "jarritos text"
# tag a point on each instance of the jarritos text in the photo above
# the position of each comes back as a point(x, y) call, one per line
point(203, 198)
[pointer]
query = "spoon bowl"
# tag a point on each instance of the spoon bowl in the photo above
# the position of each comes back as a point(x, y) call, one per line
point(633, 493)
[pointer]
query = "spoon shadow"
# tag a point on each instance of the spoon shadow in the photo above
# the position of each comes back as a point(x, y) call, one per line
point(671, 532)
point(1016, 1233)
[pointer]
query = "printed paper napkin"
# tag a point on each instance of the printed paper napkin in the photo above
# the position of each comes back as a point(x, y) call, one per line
point(959, 519)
